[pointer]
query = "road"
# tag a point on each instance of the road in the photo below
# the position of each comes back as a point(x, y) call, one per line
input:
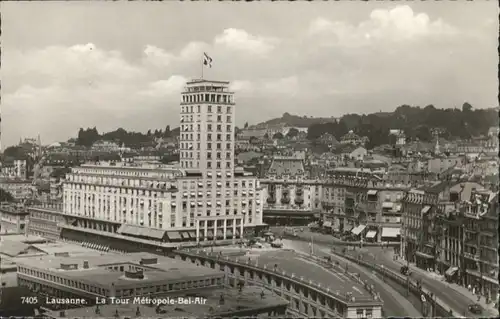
point(454, 299)
point(395, 305)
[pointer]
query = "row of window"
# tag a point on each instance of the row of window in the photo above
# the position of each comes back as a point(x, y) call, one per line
point(113, 182)
point(193, 164)
point(189, 119)
point(121, 172)
point(191, 109)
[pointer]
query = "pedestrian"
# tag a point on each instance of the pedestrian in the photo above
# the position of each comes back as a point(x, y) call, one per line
point(469, 287)
point(474, 290)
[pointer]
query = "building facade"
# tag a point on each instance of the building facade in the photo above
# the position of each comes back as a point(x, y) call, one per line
point(206, 196)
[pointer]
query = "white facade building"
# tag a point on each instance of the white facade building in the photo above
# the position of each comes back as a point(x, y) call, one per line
point(206, 195)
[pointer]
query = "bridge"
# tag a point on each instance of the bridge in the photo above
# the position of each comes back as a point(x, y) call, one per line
point(306, 298)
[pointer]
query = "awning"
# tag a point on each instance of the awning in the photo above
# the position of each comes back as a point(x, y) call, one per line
point(371, 234)
point(391, 232)
point(425, 209)
point(358, 230)
point(327, 224)
point(451, 271)
point(174, 235)
point(387, 205)
point(133, 230)
point(424, 255)
point(348, 227)
point(220, 233)
point(210, 234)
point(192, 234)
point(372, 192)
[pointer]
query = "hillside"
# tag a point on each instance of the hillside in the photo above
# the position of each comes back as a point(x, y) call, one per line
point(416, 122)
point(297, 121)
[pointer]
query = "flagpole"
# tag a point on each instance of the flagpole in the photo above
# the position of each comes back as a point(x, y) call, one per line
point(202, 63)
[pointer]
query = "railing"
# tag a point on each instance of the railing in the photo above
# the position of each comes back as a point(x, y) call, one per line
point(48, 206)
point(216, 257)
point(440, 309)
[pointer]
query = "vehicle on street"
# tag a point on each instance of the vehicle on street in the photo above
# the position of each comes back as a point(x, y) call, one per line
point(277, 244)
point(405, 270)
point(475, 309)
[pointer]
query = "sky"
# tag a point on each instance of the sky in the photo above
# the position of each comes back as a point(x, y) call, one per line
point(67, 65)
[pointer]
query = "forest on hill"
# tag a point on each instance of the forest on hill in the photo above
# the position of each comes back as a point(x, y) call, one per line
point(416, 122)
point(89, 136)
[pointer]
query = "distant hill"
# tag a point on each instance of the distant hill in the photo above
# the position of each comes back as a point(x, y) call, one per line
point(416, 122)
point(288, 119)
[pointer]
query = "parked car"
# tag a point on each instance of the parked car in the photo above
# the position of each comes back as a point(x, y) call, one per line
point(405, 270)
point(475, 309)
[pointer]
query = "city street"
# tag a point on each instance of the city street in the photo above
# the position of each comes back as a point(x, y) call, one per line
point(455, 299)
point(395, 304)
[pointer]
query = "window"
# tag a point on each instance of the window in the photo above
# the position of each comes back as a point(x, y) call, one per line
point(228, 137)
point(218, 146)
point(228, 155)
point(209, 164)
point(228, 118)
point(209, 127)
point(209, 146)
point(209, 155)
point(209, 136)
point(228, 109)
point(199, 109)
point(210, 109)
point(219, 128)
point(218, 155)
point(219, 137)
point(228, 164)
point(228, 128)
point(218, 164)
point(219, 118)
point(219, 109)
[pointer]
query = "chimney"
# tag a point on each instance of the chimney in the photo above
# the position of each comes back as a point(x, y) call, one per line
point(85, 264)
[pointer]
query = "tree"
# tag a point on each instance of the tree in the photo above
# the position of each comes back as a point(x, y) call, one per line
point(246, 125)
point(167, 131)
point(466, 107)
point(277, 136)
point(149, 132)
point(5, 196)
point(293, 132)
point(16, 152)
point(253, 139)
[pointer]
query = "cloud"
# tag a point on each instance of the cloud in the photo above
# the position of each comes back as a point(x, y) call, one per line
point(397, 24)
point(240, 40)
point(388, 57)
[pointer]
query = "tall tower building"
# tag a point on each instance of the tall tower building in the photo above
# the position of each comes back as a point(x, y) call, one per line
point(207, 128)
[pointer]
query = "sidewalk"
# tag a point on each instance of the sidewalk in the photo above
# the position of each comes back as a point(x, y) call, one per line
point(489, 308)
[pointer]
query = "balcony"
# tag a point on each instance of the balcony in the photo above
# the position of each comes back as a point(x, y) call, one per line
point(285, 200)
point(299, 201)
point(271, 200)
point(472, 256)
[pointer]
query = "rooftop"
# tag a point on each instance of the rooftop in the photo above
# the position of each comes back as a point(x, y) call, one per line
point(291, 262)
point(29, 239)
point(161, 268)
point(234, 302)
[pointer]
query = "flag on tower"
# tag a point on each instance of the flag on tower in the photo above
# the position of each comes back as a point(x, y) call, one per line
point(207, 60)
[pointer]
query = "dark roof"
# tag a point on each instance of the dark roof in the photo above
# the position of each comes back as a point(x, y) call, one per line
point(287, 166)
